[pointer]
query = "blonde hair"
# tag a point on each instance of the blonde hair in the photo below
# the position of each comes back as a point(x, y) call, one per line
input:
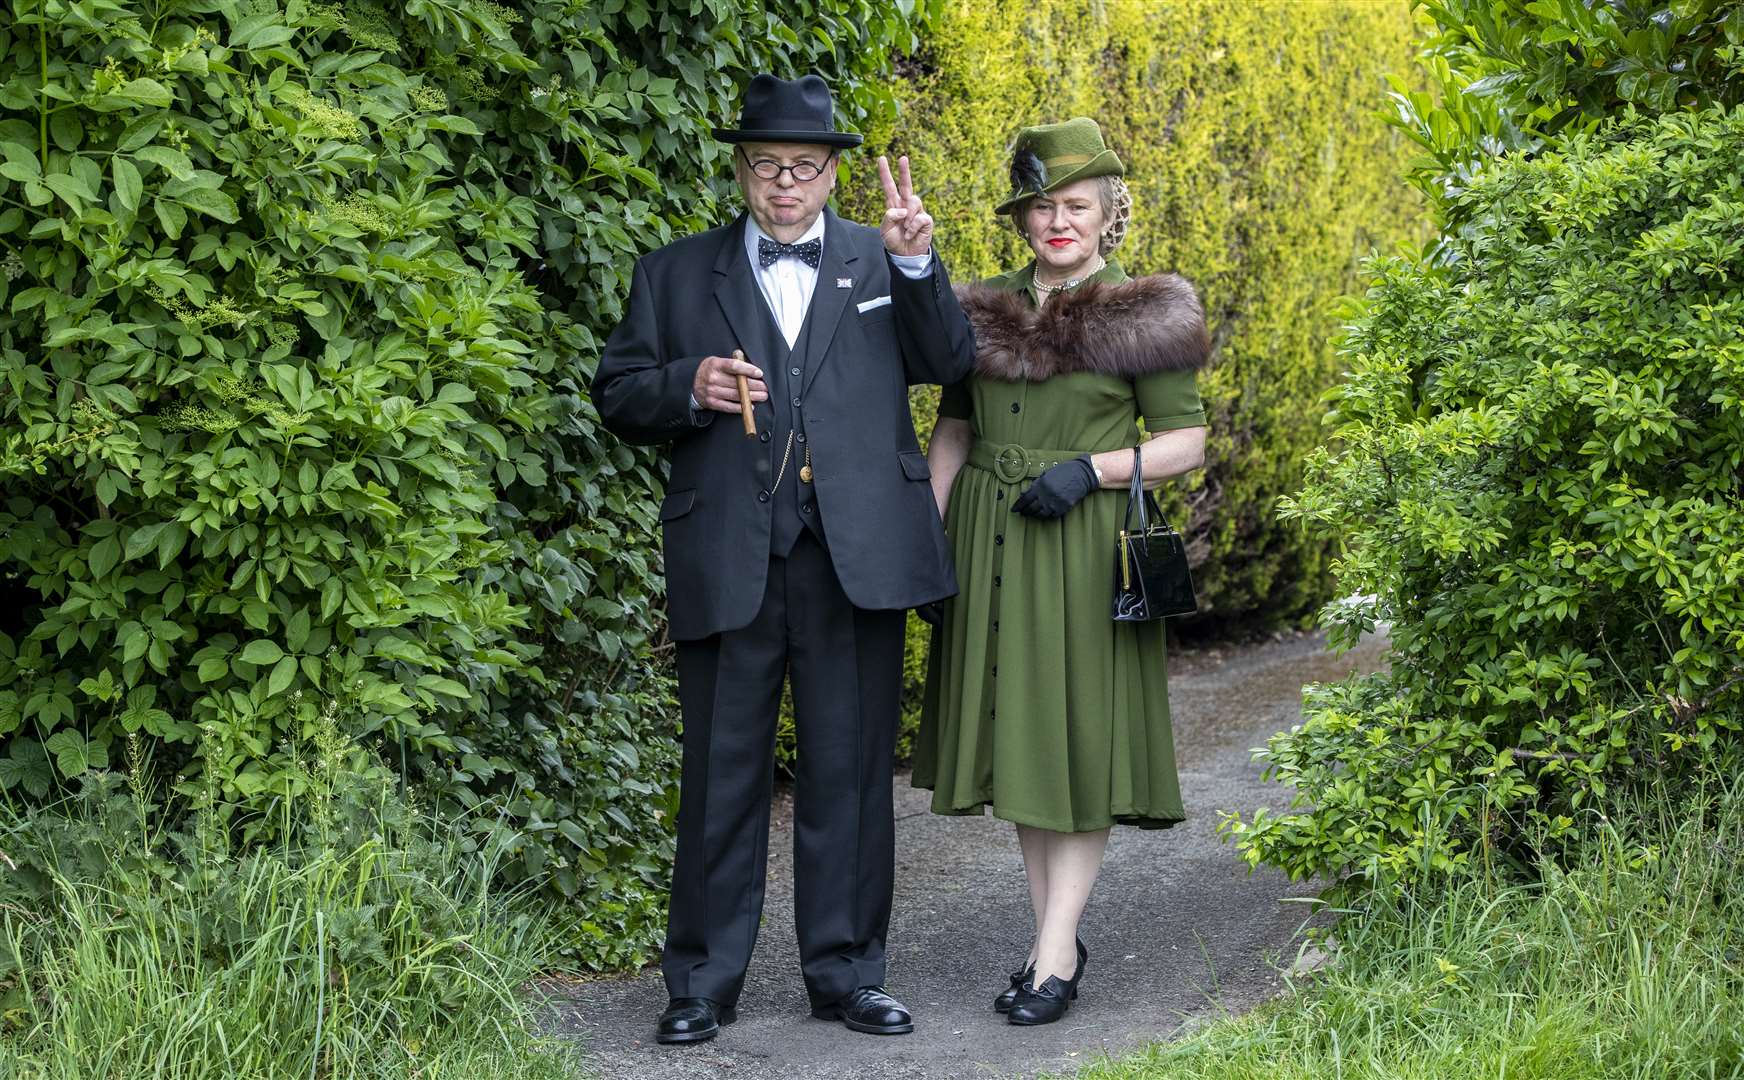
point(1116, 201)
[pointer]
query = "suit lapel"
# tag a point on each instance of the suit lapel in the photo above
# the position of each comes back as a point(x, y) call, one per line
point(742, 302)
point(828, 302)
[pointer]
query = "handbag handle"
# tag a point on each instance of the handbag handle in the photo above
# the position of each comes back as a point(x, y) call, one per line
point(1139, 499)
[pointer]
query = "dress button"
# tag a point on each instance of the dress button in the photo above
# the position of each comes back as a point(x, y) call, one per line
point(996, 671)
point(999, 541)
point(762, 496)
point(1000, 495)
point(796, 403)
point(1014, 406)
point(764, 436)
point(795, 372)
point(996, 581)
point(800, 436)
point(805, 509)
point(996, 626)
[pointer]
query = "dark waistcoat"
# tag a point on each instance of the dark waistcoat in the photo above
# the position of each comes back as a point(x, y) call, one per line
point(795, 505)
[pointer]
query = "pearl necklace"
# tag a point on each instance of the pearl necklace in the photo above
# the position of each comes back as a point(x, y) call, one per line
point(1074, 282)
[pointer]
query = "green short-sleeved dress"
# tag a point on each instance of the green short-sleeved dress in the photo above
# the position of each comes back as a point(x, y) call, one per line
point(1038, 704)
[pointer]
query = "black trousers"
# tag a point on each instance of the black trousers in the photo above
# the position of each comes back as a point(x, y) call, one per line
point(846, 670)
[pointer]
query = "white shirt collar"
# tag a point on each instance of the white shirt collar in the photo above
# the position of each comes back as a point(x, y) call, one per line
point(753, 234)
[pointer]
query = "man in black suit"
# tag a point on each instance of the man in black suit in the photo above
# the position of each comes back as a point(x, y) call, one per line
point(791, 554)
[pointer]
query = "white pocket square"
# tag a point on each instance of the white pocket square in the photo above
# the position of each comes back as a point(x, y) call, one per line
point(872, 305)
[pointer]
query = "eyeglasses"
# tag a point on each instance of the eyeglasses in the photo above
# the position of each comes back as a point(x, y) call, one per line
point(803, 171)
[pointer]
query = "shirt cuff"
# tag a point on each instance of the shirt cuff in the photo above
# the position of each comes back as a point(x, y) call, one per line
point(699, 416)
point(914, 267)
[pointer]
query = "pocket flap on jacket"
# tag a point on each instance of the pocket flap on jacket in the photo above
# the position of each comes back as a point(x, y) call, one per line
point(914, 465)
point(677, 504)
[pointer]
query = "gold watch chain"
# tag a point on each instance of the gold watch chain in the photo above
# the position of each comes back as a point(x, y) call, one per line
point(805, 473)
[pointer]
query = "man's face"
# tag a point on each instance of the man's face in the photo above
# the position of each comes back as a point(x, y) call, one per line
point(785, 207)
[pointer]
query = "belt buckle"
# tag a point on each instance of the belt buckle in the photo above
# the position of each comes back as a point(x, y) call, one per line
point(1011, 464)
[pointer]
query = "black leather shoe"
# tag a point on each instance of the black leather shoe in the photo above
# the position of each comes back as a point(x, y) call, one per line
point(1002, 1003)
point(1048, 1002)
point(869, 1009)
point(692, 1020)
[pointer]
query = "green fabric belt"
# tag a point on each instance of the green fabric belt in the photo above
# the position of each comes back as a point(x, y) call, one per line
point(1011, 462)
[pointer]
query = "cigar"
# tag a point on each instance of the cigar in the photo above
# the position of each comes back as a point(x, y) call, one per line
point(745, 399)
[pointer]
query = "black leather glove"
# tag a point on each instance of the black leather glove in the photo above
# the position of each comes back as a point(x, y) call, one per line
point(1058, 490)
point(932, 614)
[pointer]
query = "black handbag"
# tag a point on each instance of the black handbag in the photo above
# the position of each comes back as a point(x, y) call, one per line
point(1151, 580)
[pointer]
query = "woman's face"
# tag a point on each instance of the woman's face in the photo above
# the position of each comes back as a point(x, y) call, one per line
point(1065, 226)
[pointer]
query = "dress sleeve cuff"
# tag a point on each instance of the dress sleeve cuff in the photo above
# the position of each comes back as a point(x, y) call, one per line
point(1155, 424)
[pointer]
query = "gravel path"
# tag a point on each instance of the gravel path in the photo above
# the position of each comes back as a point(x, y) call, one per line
point(1177, 927)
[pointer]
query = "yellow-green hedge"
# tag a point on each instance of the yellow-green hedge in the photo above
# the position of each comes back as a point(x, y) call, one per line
point(1257, 168)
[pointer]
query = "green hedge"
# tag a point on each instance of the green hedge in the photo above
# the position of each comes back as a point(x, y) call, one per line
point(298, 305)
point(1256, 169)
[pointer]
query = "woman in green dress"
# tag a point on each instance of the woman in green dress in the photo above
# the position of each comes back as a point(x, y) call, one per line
point(1038, 704)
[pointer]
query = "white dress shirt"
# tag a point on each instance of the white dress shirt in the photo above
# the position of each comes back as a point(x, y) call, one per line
point(787, 283)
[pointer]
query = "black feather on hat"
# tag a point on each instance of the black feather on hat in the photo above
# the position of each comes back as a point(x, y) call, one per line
point(1028, 175)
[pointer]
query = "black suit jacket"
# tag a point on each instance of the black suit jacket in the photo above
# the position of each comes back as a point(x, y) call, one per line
point(698, 297)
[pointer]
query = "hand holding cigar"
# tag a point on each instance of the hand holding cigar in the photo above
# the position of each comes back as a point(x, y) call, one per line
point(730, 384)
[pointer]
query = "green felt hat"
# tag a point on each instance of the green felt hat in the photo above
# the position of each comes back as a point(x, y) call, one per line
point(1047, 157)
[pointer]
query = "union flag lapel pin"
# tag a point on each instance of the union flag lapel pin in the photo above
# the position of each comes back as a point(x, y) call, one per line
point(844, 283)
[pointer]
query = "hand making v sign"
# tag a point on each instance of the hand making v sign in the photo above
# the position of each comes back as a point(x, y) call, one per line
point(907, 228)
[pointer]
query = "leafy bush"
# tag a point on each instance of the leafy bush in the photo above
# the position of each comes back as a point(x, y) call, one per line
point(363, 942)
point(298, 306)
point(1538, 484)
point(1509, 76)
point(1256, 169)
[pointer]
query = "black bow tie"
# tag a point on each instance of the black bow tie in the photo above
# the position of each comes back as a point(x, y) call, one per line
point(809, 253)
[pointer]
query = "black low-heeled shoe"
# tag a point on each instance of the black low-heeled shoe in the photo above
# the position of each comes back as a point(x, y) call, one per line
point(1002, 1003)
point(1048, 1002)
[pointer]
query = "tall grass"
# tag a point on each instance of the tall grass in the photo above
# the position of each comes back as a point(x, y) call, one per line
point(365, 943)
point(1627, 963)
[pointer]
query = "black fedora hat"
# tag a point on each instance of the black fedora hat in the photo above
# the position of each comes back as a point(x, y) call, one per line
point(788, 111)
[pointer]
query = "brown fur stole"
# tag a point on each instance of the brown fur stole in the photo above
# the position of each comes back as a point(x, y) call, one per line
point(1128, 329)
